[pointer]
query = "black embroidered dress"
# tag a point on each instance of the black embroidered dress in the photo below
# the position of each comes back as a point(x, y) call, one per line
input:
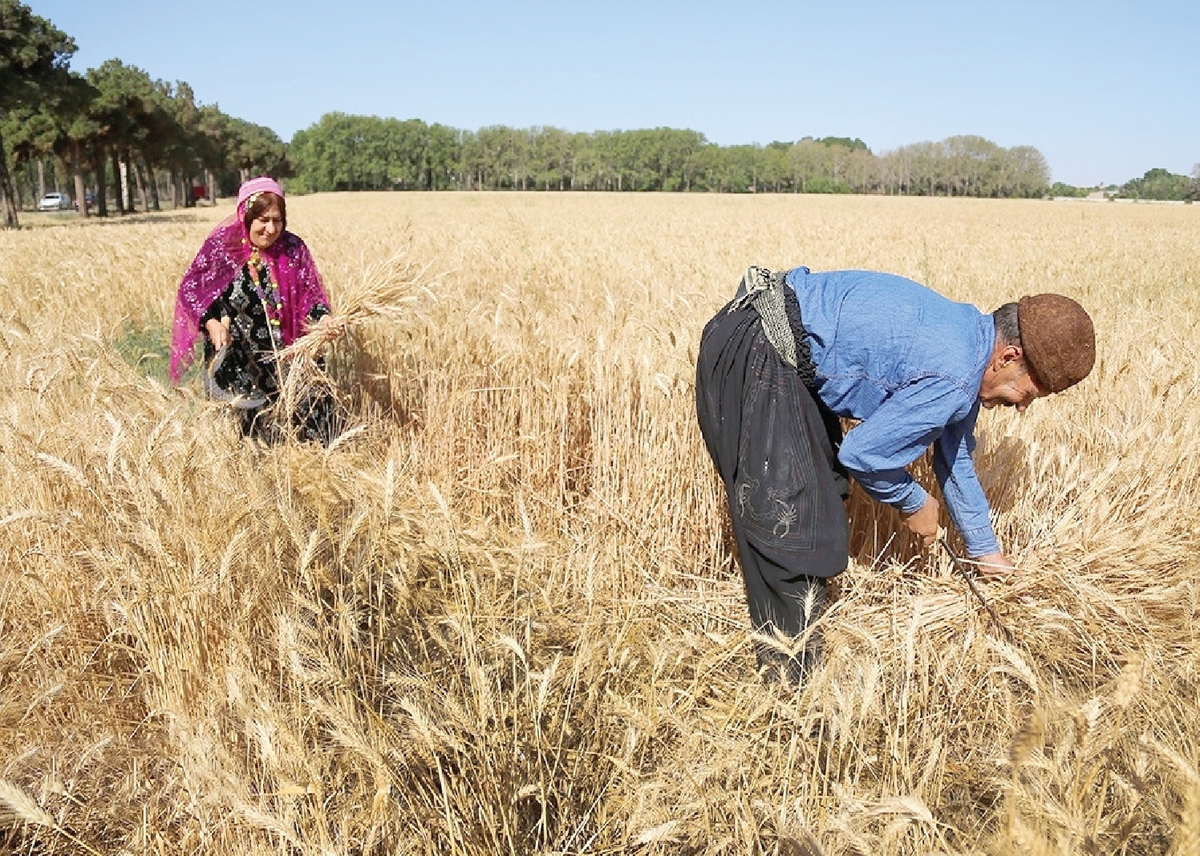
point(247, 372)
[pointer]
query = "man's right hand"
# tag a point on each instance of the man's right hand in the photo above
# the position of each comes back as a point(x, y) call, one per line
point(924, 521)
point(994, 566)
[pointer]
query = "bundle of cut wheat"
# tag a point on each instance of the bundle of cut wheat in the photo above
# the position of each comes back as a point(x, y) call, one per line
point(390, 291)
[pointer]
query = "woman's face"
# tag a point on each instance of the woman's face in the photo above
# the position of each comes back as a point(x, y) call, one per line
point(266, 228)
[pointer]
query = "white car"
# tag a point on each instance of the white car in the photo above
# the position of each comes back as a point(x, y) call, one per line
point(54, 202)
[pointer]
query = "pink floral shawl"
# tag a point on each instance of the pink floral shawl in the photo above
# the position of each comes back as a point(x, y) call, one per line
point(224, 252)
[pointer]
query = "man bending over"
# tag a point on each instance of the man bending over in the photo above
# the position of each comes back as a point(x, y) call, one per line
point(794, 351)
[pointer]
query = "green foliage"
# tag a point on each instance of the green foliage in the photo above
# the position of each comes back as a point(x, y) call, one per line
point(1158, 184)
point(966, 166)
point(343, 152)
point(254, 150)
point(146, 346)
point(1060, 189)
point(854, 145)
point(827, 184)
point(33, 55)
point(33, 62)
point(117, 114)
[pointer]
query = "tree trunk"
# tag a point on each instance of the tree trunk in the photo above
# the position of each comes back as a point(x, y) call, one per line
point(101, 186)
point(80, 186)
point(118, 187)
point(7, 196)
point(153, 183)
point(210, 181)
point(139, 180)
point(127, 181)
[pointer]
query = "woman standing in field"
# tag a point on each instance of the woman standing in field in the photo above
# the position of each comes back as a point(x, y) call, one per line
point(252, 290)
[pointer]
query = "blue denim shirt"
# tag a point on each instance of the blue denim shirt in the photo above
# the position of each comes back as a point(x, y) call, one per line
point(908, 363)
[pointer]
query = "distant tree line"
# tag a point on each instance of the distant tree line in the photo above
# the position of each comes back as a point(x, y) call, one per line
point(1157, 184)
point(114, 133)
point(1160, 184)
point(113, 127)
point(344, 152)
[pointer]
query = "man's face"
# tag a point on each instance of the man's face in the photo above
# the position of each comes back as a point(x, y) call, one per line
point(1008, 383)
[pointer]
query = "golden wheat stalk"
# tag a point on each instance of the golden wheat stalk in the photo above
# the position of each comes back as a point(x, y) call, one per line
point(22, 808)
point(388, 290)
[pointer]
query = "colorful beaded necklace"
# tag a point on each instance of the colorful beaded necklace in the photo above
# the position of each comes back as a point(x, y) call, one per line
point(268, 293)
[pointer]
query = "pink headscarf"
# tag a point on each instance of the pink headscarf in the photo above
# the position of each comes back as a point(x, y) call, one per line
point(221, 257)
point(258, 185)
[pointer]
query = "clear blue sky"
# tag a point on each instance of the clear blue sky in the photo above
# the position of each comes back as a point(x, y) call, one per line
point(1105, 90)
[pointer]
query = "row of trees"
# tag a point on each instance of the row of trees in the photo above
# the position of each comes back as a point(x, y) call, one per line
point(1157, 184)
point(113, 126)
point(1162, 184)
point(343, 152)
point(117, 127)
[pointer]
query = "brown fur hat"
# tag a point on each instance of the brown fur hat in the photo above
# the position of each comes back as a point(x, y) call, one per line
point(1058, 339)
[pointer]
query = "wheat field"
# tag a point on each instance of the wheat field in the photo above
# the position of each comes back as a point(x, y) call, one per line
point(500, 614)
